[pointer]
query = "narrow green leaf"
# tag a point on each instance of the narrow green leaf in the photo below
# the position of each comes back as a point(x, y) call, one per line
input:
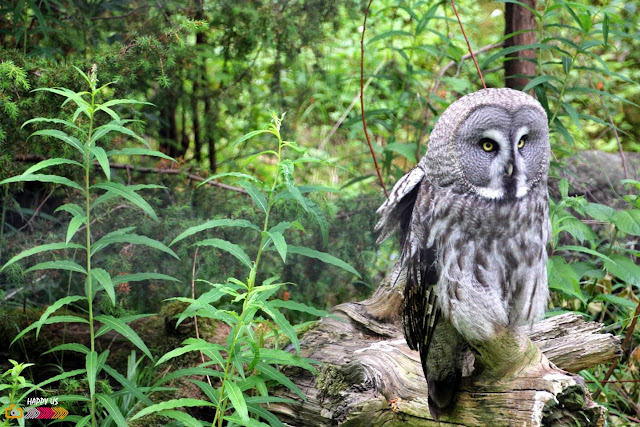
point(250, 135)
point(266, 415)
point(125, 330)
point(182, 417)
point(237, 400)
point(50, 162)
point(53, 379)
point(128, 194)
point(112, 409)
point(541, 94)
point(273, 374)
point(131, 238)
point(51, 120)
point(42, 178)
point(113, 102)
point(139, 152)
point(58, 134)
point(201, 345)
point(137, 277)
point(278, 357)
point(283, 324)
point(575, 118)
point(605, 29)
point(183, 373)
point(55, 307)
point(62, 264)
point(103, 160)
point(297, 306)
point(227, 246)
point(225, 222)
point(78, 348)
point(212, 393)
point(49, 321)
point(72, 208)
point(322, 256)
point(75, 223)
point(171, 404)
point(91, 360)
point(255, 193)
point(583, 250)
point(135, 187)
point(67, 93)
point(104, 278)
point(566, 64)
point(233, 174)
point(392, 33)
point(128, 385)
point(115, 126)
point(616, 300)
point(279, 243)
point(39, 249)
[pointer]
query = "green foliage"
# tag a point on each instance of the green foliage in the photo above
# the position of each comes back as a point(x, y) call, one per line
point(594, 273)
point(12, 385)
point(246, 365)
point(85, 139)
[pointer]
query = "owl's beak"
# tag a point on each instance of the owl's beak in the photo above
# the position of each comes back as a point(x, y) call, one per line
point(509, 169)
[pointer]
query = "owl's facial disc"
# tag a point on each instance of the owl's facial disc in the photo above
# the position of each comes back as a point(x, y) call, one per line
point(500, 151)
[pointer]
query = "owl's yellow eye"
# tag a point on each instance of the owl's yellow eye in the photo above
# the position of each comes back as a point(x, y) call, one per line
point(521, 143)
point(488, 146)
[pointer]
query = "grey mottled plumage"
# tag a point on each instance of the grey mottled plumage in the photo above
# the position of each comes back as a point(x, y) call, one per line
point(474, 227)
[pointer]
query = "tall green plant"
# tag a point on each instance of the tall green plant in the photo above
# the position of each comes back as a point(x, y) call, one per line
point(248, 364)
point(87, 139)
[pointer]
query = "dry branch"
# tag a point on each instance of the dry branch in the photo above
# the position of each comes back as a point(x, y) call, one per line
point(368, 375)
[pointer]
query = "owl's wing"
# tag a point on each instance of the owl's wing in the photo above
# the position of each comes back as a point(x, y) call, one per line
point(420, 312)
point(399, 204)
point(408, 206)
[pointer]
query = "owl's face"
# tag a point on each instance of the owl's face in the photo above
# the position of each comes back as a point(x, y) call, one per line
point(503, 150)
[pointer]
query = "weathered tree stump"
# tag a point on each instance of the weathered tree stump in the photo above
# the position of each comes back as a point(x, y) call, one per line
point(368, 376)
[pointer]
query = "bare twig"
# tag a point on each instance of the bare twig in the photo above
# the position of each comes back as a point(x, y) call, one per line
point(174, 172)
point(364, 120)
point(348, 110)
point(468, 44)
point(37, 211)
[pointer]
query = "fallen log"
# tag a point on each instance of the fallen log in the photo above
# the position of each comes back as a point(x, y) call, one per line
point(368, 376)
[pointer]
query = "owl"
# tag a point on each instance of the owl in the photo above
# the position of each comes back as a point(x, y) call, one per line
point(474, 225)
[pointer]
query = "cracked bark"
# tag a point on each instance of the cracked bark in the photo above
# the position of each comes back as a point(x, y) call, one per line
point(368, 375)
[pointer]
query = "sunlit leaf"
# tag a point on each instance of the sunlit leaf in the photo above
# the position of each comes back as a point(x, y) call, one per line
point(232, 248)
point(39, 249)
point(128, 194)
point(322, 256)
point(225, 222)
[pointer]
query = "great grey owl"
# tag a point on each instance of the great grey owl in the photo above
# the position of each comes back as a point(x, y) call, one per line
point(474, 221)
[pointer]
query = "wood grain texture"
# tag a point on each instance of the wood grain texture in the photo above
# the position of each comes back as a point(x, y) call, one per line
point(368, 376)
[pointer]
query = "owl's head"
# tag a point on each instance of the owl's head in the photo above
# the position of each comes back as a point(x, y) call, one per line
point(494, 143)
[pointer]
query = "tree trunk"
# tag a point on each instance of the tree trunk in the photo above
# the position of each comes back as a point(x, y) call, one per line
point(517, 69)
point(368, 375)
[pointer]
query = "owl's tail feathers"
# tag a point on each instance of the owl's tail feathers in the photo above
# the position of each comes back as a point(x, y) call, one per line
point(441, 395)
